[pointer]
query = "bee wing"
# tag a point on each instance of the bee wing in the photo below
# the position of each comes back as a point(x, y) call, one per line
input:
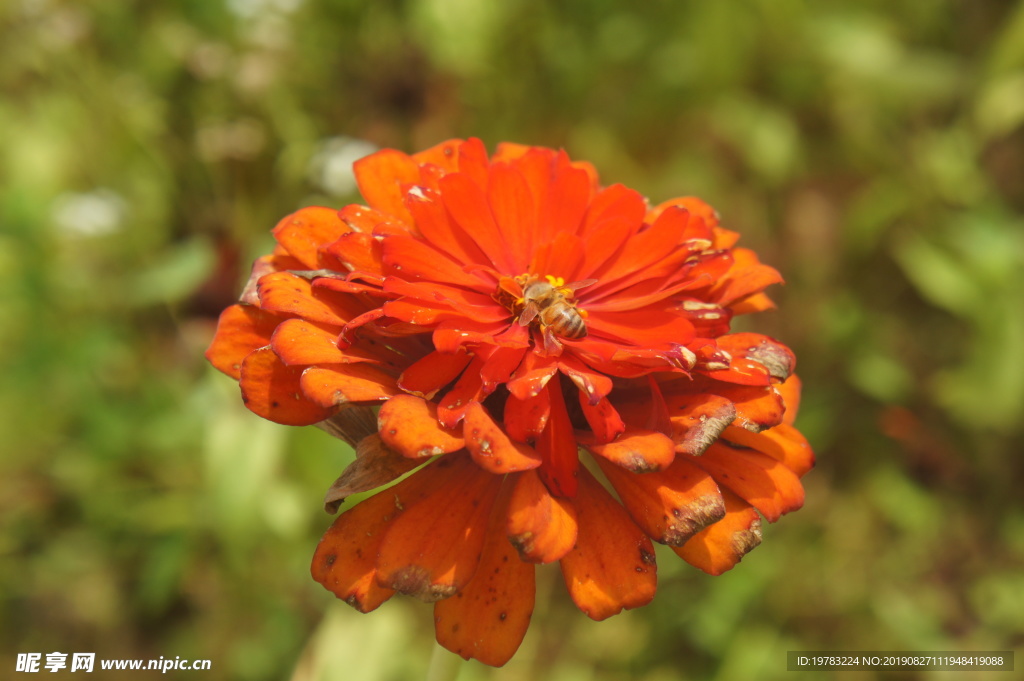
point(577, 285)
point(528, 314)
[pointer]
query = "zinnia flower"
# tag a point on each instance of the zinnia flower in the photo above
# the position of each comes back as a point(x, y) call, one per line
point(484, 320)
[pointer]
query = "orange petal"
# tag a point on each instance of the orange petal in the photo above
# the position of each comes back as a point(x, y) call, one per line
point(639, 451)
point(525, 419)
point(375, 465)
point(468, 389)
point(746, 277)
point(540, 526)
point(344, 561)
point(758, 479)
point(603, 419)
point(272, 390)
point(285, 293)
point(698, 420)
point(719, 547)
point(409, 425)
point(303, 233)
point(783, 442)
point(671, 505)
point(432, 550)
point(241, 329)
point(491, 447)
point(557, 447)
point(358, 252)
point(488, 618)
point(335, 384)
point(759, 302)
point(380, 177)
point(612, 566)
point(790, 391)
point(297, 341)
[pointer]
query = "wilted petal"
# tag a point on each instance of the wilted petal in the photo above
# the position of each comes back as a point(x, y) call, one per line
point(762, 481)
point(670, 506)
point(375, 465)
point(718, 548)
point(638, 451)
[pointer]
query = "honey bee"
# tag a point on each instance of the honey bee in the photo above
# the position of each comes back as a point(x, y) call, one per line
point(549, 299)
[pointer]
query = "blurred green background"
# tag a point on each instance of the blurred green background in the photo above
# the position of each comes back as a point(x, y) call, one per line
point(871, 150)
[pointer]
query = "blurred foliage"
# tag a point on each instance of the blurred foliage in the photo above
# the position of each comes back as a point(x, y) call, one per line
point(873, 151)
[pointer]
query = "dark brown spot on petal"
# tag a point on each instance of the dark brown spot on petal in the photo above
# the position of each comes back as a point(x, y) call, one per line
point(414, 580)
point(693, 518)
point(329, 560)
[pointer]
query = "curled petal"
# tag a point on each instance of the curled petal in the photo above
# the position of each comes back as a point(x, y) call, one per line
point(638, 451)
point(273, 390)
point(409, 425)
point(719, 547)
point(432, 549)
point(775, 357)
point(695, 425)
point(241, 329)
point(491, 447)
point(670, 506)
point(602, 418)
point(612, 566)
point(558, 449)
point(542, 527)
point(790, 391)
point(468, 389)
point(488, 618)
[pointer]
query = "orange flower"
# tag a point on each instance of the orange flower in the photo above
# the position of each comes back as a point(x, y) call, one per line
point(505, 313)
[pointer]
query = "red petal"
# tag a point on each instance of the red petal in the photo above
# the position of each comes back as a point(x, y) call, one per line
point(514, 210)
point(468, 389)
point(467, 204)
point(616, 205)
point(409, 258)
point(409, 425)
point(602, 418)
point(436, 225)
point(719, 547)
point(336, 384)
point(669, 506)
point(526, 418)
point(760, 480)
point(487, 619)
point(491, 447)
point(532, 376)
point(593, 384)
point(612, 566)
point(499, 365)
point(564, 200)
point(305, 231)
point(541, 527)
point(655, 325)
point(272, 390)
point(432, 549)
point(241, 329)
point(558, 449)
point(639, 451)
point(431, 373)
point(444, 155)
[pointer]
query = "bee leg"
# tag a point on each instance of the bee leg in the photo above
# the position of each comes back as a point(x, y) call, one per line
point(551, 344)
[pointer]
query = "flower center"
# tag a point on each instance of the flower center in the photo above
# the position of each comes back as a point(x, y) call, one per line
point(546, 300)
